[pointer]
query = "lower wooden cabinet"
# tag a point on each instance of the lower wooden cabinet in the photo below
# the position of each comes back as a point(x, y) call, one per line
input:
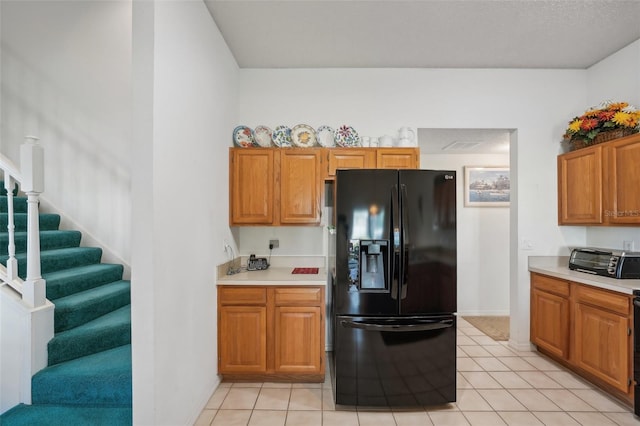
point(271, 333)
point(550, 314)
point(585, 328)
point(602, 339)
point(297, 339)
point(244, 331)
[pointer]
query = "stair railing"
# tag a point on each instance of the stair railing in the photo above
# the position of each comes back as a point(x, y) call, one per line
point(31, 315)
point(30, 178)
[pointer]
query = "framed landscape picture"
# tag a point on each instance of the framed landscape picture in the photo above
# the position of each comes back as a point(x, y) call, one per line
point(486, 186)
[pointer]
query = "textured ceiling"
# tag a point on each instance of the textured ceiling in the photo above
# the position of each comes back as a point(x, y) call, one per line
point(425, 33)
point(428, 34)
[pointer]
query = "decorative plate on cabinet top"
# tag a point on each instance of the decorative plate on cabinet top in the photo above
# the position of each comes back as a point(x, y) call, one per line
point(303, 136)
point(325, 136)
point(346, 136)
point(243, 137)
point(282, 136)
point(262, 136)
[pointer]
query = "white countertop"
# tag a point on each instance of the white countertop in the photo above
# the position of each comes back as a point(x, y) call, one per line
point(558, 266)
point(274, 276)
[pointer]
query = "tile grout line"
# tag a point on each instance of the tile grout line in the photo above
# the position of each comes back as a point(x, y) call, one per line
point(546, 369)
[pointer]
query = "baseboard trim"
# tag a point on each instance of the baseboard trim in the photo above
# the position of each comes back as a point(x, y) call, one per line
point(521, 346)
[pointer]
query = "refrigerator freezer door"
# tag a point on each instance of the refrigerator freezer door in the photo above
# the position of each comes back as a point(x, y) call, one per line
point(429, 277)
point(395, 361)
point(364, 242)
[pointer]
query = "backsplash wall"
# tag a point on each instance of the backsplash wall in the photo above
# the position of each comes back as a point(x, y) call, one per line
point(294, 240)
point(612, 236)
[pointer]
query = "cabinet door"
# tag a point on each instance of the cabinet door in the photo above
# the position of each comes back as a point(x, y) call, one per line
point(397, 158)
point(580, 187)
point(251, 179)
point(349, 158)
point(300, 194)
point(623, 174)
point(298, 346)
point(550, 322)
point(242, 339)
point(602, 345)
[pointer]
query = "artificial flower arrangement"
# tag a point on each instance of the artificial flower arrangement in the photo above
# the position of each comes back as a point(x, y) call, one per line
point(608, 116)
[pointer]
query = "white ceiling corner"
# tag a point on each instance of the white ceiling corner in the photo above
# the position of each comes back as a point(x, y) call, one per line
point(550, 34)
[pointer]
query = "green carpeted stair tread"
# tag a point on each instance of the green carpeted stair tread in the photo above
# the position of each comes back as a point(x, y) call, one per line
point(74, 280)
point(59, 259)
point(108, 331)
point(19, 204)
point(48, 221)
point(101, 379)
point(49, 240)
point(88, 381)
point(79, 308)
point(65, 415)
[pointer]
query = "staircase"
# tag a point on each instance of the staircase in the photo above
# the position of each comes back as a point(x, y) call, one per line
point(88, 378)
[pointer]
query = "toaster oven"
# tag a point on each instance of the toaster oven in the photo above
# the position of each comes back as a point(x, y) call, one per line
point(606, 262)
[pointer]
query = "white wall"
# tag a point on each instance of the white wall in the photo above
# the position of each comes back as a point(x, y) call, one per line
point(483, 240)
point(616, 78)
point(625, 86)
point(185, 103)
point(537, 103)
point(66, 79)
point(294, 240)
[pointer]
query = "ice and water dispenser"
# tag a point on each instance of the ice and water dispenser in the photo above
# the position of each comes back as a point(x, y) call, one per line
point(367, 264)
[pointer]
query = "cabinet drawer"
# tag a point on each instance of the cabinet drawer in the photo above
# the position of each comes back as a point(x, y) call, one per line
point(242, 295)
point(298, 295)
point(550, 285)
point(602, 299)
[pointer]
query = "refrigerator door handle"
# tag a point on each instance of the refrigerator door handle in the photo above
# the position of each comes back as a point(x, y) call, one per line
point(395, 235)
point(362, 325)
point(404, 252)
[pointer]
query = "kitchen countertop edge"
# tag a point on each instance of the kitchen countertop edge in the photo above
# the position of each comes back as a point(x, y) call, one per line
point(274, 276)
point(558, 266)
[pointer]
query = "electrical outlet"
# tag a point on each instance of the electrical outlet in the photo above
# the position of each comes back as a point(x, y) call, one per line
point(526, 245)
point(628, 245)
point(274, 243)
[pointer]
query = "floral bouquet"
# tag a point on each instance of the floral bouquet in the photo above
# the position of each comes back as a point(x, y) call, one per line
point(607, 117)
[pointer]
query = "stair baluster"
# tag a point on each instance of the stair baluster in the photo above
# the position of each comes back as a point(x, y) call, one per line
point(12, 263)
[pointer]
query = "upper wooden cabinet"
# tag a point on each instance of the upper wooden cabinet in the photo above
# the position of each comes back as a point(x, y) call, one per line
point(300, 179)
point(370, 158)
point(623, 180)
point(397, 158)
point(580, 186)
point(349, 158)
point(598, 185)
point(275, 186)
point(251, 186)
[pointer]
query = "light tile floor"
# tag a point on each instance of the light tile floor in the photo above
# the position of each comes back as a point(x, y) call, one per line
point(496, 386)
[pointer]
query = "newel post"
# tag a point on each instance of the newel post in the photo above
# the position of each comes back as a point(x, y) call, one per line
point(32, 169)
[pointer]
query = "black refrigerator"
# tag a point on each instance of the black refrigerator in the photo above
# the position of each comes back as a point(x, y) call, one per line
point(394, 289)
